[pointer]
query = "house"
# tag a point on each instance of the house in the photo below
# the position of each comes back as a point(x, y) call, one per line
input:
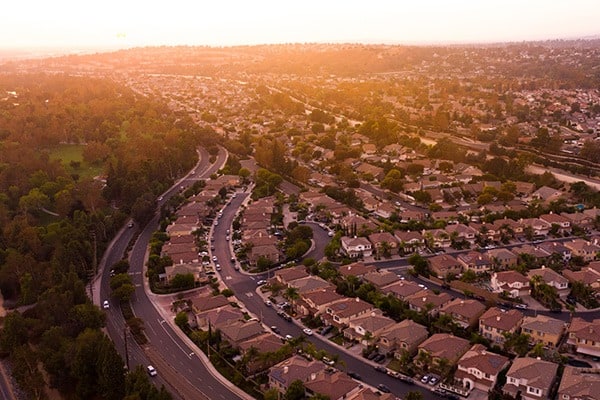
point(354, 224)
point(340, 313)
point(465, 313)
point(530, 377)
point(292, 369)
point(543, 329)
point(495, 323)
point(208, 302)
point(427, 301)
point(368, 394)
point(580, 219)
point(310, 283)
point(218, 317)
point(383, 242)
point(357, 269)
point(437, 238)
point(536, 225)
point(546, 194)
point(384, 210)
point(409, 241)
point(479, 368)
point(551, 278)
point(240, 331)
point(503, 257)
point(381, 278)
point(402, 289)
point(264, 343)
point(355, 247)
point(442, 346)
point(403, 337)
point(334, 385)
point(368, 327)
point(410, 215)
point(587, 275)
point(563, 223)
point(443, 265)
point(584, 336)
point(579, 383)
point(511, 282)
point(268, 252)
point(533, 251)
point(475, 261)
point(556, 248)
point(462, 232)
point(287, 275)
point(584, 249)
point(182, 269)
point(315, 301)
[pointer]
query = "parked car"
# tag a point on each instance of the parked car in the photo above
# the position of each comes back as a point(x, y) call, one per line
point(433, 380)
point(381, 368)
point(307, 331)
point(326, 329)
point(381, 387)
point(379, 358)
point(151, 370)
point(425, 379)
point(354, 375)
point(327, 361)
point(105, 304)
point(274, 329)
point(288, 337)
point(261, 282)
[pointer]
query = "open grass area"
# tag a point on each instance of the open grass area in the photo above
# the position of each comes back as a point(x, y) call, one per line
point(71, 156)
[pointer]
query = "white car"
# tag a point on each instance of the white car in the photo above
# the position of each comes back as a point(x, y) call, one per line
point(105, 304)
point(151, 370)
point(307, 331)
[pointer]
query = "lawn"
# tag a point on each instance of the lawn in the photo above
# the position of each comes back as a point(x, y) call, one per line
point(71, 156)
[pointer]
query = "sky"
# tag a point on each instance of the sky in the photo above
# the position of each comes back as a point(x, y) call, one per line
point(131, 23)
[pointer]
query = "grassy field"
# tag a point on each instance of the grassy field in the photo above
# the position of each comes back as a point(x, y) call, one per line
point(70, 154)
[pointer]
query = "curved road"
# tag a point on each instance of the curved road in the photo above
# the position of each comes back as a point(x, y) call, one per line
point(179, 368)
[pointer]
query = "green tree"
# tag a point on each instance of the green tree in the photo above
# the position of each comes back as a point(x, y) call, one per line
point(181, 320)
point(413, 395)
point(393, 181)
point(295, 391)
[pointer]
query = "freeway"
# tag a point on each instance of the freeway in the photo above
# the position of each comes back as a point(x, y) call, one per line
point(179, 368)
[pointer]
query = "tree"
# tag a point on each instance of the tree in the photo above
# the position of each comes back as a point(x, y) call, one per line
point(412, 395)
point(291, 293)
point(393, 181)
point(183, 281)
point(271, 394)
point(296, 391)
point(181, 320)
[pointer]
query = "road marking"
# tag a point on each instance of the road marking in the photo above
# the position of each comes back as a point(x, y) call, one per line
point(249, 294)
point(228, 277)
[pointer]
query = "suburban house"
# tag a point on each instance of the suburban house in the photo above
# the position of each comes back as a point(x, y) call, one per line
point(368, 394)
point(584, 336)
point(409, 241)
point(587, 275)
point(427, 301)
point(551, 278)
point(208, 302)
point(512, 283)
point(370, 325)
point(462, 232)
point(315, 302)
point(172, 271)
point(465, 313)
point(355, 247)
point(218, 317)
point(292, 369)
point(579, 383)
point(402, 337)
point(495, 323)
point(475, 261)
point(340, 313)
point(442, 346)
point(530, 377)
point(503, 257)
point(543, 329)
point(287, 275)
point(563, 223)
point(334, 385)
point(357, 269)
point(479, 368)
point(310, 283)
point(444, 265)
point(556, 248)
point(240, 331)
point(382, 242)
point(381, 278)
point(268, 252)
point(402, 289)
point(584, 249)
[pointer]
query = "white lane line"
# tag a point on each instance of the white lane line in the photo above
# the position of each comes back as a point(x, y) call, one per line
point(186, 352)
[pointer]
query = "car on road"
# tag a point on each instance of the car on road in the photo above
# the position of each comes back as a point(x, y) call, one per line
point(151, 370)
point(307, 331)
point(383, 388)
point(381, 368)
point(425, 379)
point(284, 316)
point(274, 329)
point(227, 238)
point(268, 303)
point(218, 266)
point(288, 337)
point(105, 304)
point(330, 233)
point(261, 282)
point(327, 361)
point(130, 225)
point(214, 258)
point(433, 380)
point(521, 306)
point(160, 198)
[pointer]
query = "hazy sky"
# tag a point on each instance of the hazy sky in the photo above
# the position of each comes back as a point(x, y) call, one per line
point(125, 23)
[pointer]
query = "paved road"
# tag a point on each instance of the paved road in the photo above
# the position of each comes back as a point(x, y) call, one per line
point(178, 366)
